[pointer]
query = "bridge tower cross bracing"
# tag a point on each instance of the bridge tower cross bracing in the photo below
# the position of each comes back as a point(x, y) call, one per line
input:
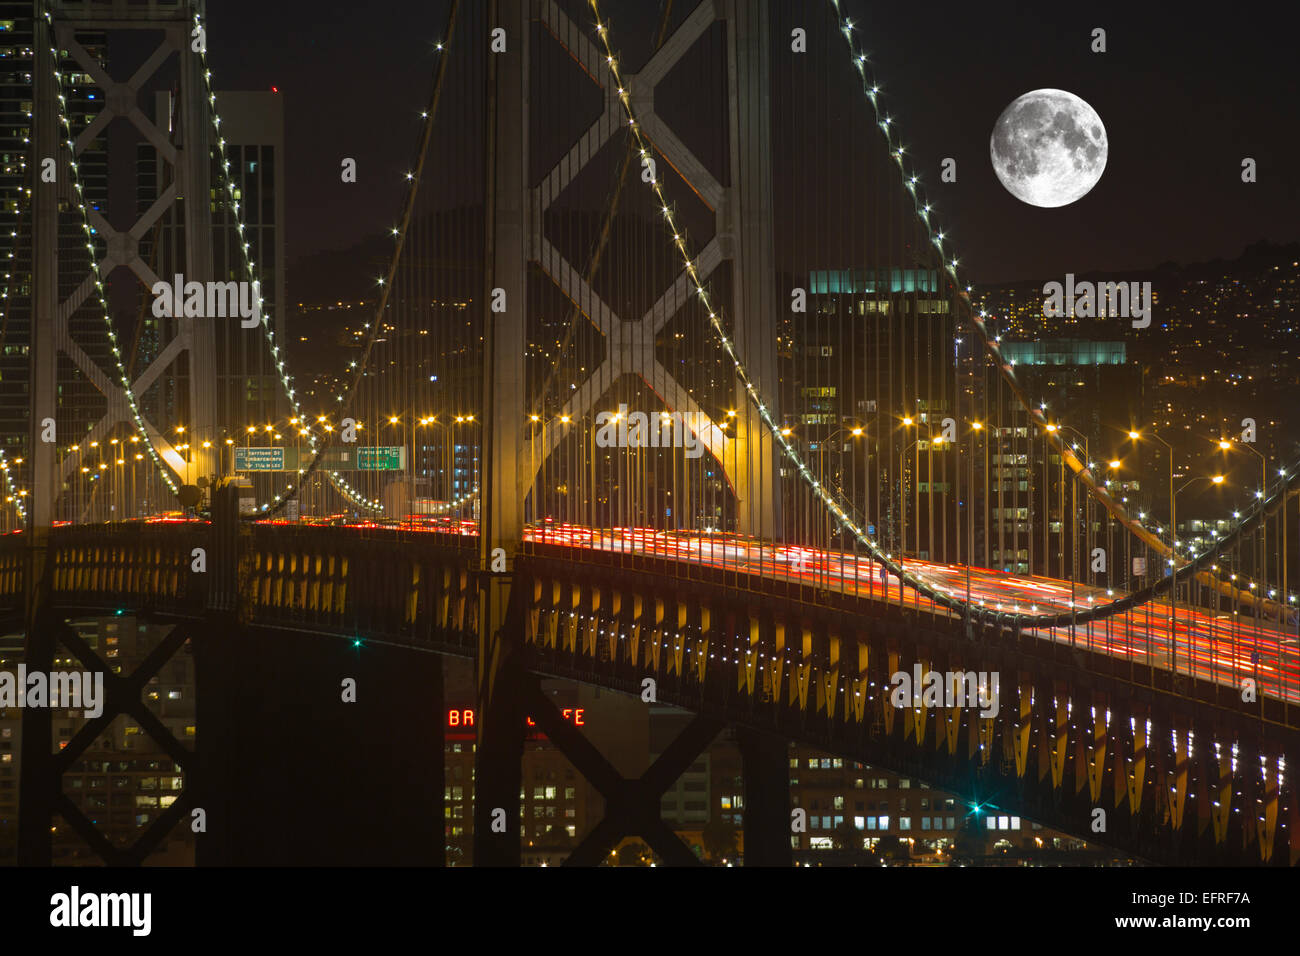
point(189, 157)
point(514, 220)
point(743, 234)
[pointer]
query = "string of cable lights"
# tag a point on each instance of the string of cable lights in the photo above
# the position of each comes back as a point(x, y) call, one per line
point(842, 514)
point(343, 399)
point(227, 186)
point(1006, 368)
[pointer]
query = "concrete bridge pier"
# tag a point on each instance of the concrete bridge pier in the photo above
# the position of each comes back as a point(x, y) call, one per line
point(766, 769)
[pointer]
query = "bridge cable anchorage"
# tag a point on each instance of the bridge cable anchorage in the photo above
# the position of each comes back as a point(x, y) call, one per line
point(842, 514)
point(88, 230)
point(286, 380)
point(993, 349)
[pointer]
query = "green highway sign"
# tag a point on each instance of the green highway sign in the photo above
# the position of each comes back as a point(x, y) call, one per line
point(381, 459)
point(259, 459)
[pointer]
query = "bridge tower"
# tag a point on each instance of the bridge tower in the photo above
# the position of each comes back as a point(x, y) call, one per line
point(515, 238)
point(187, 152)
point(185, 148)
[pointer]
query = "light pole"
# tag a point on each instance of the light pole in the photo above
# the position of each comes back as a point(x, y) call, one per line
point(1173, 633)
point(934, 440)
point(977, 428)
point(902, 497)
point(856, 431)
point(1173, 535)
point(1227, 445)
point(1087, 524)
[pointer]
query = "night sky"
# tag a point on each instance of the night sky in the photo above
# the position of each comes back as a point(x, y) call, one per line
point(1184, 96)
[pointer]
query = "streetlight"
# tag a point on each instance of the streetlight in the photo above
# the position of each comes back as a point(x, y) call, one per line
point(1228, 445)
point(1173, 565)
point(1074, 494)
point(1173, 536)
point(856, 431)
point(902, 456)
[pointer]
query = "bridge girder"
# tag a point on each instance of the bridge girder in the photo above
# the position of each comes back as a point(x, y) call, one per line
point(1075, 732)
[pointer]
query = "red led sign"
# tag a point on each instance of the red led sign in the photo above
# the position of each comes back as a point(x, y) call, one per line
point(464, 717)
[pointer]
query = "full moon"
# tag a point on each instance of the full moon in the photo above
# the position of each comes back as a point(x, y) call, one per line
point(1048, 148)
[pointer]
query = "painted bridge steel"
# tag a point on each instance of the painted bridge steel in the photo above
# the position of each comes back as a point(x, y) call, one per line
point(1165, 767)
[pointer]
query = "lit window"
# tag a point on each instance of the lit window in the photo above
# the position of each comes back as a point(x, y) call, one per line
point(904, 823)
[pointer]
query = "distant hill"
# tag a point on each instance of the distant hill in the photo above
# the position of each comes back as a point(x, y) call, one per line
point(1256, 257)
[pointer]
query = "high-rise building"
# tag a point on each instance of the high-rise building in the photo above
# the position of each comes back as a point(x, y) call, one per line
point(872, 374)
point(252, 124)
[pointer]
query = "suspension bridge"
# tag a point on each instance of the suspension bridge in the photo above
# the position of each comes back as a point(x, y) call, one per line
point(671, 375)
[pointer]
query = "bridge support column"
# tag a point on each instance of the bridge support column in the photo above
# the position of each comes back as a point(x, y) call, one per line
point(193, 171)
point(500, 627)
point(499, 752)
point(750, 213)
point(766, 767)
point(38, 783)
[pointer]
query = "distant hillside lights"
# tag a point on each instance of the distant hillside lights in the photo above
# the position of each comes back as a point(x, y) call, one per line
point(1087, 300)
point(209, 300)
